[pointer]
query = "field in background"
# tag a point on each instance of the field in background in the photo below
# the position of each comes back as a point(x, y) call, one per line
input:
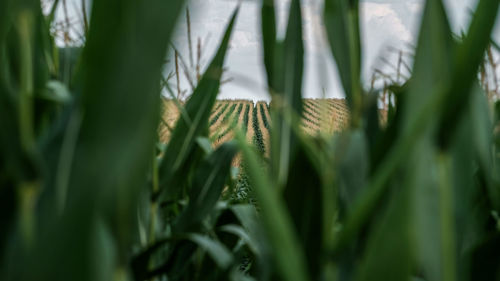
point(325, 116)
point(320, 116)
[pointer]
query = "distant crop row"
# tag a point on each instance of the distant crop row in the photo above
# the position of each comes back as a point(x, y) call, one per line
point(218, 114)
point(257, 139)
point(312, 121)
point(219, 104)
point(233, 123)
point(245, 118)
point(229, 113)
point(264, 116)
point(311, 108)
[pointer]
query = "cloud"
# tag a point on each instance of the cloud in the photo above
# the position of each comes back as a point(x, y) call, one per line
point(383, 20)
point(384, 26)
point(243, 39)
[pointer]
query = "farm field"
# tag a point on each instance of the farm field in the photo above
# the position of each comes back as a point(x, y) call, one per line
point(320, 116)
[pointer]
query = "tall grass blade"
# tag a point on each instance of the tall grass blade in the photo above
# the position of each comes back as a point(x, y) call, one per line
point(268, 26)
point(286, 91)
point(288, 256)
point(468, 58)
point(341, 19)
point(175, 162)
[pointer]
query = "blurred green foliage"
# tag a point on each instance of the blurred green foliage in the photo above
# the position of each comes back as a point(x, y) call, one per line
point(88, 193)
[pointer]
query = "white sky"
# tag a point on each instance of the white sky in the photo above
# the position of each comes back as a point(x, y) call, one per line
point(385, 24)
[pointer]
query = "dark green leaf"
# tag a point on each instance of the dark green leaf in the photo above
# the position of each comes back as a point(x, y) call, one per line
point(207, 187)
point(287, 253)
point(286, 91)
point(342, 25)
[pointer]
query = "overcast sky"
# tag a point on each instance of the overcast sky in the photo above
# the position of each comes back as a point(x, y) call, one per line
point(385, 25)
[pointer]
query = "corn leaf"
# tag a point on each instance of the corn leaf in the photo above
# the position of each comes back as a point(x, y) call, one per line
point(341, 19)
point(287, 253)
point(286, 91)
point(198, 108)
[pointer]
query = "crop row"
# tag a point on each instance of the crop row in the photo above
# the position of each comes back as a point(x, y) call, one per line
point(323, 106)
point(245, 118)
point(229, 113)
point(257, 139)
point(313, 111)
point(339, 106)
point(219, 104)
point(306, 118)
point(218, 114)
point(264, 117)
point(238, 112)
point(233, 123)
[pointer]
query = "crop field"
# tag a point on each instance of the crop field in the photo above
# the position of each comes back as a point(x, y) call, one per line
point(320, 116)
